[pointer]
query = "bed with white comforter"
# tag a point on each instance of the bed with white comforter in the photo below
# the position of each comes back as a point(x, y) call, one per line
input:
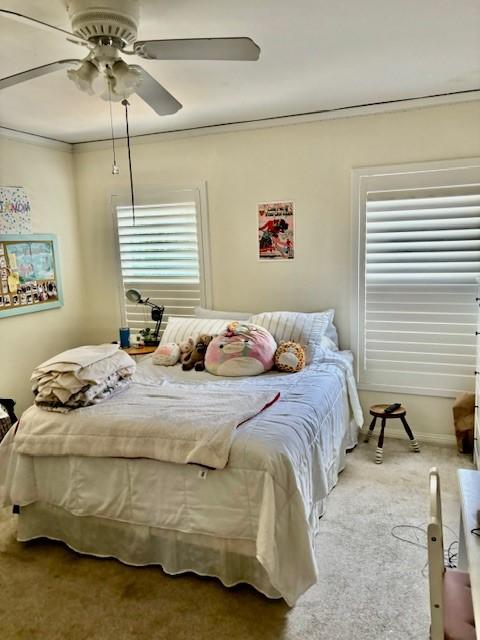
point(252, 521)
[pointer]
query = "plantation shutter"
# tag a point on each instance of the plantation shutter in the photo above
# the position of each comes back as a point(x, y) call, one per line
point(160, 256)
point(422, 258)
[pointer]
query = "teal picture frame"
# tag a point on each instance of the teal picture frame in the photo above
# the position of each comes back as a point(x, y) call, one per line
point(33, 262)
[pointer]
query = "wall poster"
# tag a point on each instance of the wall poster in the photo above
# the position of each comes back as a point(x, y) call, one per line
point(29, 274)
point(15, 211)
point(276, 240)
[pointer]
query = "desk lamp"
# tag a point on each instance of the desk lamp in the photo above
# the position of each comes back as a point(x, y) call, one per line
point(134, 295)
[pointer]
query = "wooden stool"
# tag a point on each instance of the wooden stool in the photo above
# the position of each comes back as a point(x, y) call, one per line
point(378, 411)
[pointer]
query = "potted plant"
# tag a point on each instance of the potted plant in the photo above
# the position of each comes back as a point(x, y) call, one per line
point(148, 337)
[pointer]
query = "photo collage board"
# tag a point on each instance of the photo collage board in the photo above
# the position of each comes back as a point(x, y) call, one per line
point(29, 274)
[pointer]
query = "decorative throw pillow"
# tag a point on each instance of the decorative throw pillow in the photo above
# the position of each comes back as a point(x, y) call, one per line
point(290, 357)
point(166, 354)
point(242, 350)
point(305, 328)
point(179, 329)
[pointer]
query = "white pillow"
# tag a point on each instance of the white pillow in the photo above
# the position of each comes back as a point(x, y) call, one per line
point(306, 328)
point(179, 329)
point(201, 312)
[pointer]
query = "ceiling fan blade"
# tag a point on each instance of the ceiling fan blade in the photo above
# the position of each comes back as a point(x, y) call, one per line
point(19, 17)
point(155, 95)
point(36, 72)
point(198, 49)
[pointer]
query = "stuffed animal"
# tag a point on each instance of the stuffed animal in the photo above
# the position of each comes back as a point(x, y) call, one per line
point(166, 354)
point(197, 357)
point(186, 348)
point(244, 349)
point(290, 357)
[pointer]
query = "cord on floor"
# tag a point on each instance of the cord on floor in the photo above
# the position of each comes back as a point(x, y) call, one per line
point(450, 554)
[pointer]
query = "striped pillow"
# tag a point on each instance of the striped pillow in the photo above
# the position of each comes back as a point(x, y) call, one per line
point(179, 329)
point(201, 312)
point(306, 328)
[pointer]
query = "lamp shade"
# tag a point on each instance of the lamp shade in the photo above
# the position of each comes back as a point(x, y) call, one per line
point(133, 295)
point(84, 76)
point(127, 79)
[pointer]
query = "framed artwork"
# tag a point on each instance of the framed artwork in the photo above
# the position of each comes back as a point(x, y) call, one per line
point(29, 274)
point(276, 239)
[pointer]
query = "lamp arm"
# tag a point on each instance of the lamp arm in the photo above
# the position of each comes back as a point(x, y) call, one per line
point(150, 304)
point(159, 320)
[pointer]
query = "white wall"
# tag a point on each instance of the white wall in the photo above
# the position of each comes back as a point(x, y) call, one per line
point(309, 163)
point(26, 340)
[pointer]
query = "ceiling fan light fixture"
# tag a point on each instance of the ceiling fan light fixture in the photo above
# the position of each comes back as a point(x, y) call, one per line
point(84, 76)
point(120, 82)
point(126, 79)
point(109, 94)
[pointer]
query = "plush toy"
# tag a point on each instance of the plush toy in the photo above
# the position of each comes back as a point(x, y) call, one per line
point(186, 348)
point(166, 354)
point(197, 357)
point(242, 350)
point(290, 357)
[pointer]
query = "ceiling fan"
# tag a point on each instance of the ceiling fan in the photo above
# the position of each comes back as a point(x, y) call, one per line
point(108, 28)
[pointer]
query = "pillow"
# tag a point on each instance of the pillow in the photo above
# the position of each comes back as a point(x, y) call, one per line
point(179, 329)
point(166, 354)
point(305, 328)
point(201, 312)
point(290, 357)
point(332, 334)
point(242, 350)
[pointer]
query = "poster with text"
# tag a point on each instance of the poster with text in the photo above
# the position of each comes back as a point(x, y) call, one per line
point(276, 239)
point(15, 211)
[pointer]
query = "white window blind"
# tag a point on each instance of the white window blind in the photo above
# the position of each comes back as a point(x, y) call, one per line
point(417, 292)
point(161, 255)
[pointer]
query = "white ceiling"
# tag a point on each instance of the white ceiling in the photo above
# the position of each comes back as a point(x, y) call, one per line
point(316, 55)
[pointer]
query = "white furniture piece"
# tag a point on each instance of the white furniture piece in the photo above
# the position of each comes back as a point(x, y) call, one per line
point(451, 610)
point(469, 543)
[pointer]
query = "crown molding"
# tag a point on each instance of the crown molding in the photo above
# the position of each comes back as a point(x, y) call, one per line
point(281, 121)
point(32, 138)
point(263, 123)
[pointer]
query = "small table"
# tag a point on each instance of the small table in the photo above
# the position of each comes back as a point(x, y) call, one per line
point(378, 411)
point(469, 543)
point(139, 351)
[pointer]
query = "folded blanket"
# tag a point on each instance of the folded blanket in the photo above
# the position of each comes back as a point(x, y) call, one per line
point(80, 377)
point(87, 396)
point(80, 357)
point(169, 422)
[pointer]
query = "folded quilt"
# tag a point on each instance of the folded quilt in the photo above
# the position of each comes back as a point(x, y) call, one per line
point(80, 377)
point(168, 422)
point(87, 396)
point(79, 357)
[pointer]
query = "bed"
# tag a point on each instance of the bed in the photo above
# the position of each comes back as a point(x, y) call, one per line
point(253, 521)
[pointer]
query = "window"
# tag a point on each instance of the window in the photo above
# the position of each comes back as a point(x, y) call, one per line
point(417, 260)
point(163, 254)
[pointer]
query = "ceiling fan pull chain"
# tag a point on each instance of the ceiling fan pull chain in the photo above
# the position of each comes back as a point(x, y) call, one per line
point(115, 169)
point(126, 105)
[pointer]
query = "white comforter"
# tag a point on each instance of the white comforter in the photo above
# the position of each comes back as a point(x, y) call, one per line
point(151, 419)
point(282, 465)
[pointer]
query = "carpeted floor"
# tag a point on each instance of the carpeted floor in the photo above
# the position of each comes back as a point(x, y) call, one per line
point(370, 588)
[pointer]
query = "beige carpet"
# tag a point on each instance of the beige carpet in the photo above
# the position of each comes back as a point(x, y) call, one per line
point(370, 588)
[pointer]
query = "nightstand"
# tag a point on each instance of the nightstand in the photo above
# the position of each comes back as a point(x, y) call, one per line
point(139, 351)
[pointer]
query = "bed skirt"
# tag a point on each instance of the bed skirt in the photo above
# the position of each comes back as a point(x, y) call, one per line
point(231, 561)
